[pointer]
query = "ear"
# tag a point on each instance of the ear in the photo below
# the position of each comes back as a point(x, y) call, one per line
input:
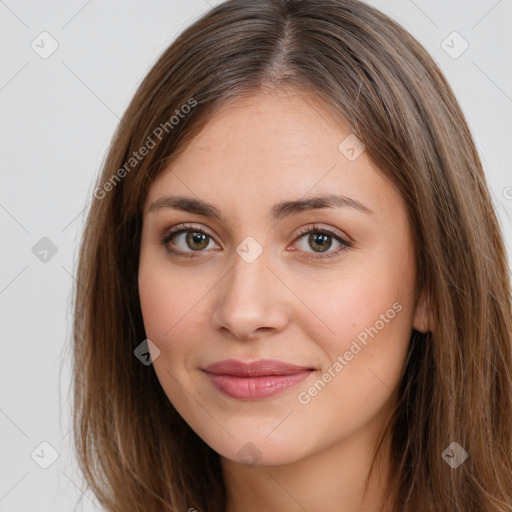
point(422, 315)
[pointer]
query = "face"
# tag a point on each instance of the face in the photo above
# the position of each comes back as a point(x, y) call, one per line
point(319, 296)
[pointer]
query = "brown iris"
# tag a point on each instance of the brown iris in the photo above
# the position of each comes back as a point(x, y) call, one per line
point(321, 240)
point(195, 237)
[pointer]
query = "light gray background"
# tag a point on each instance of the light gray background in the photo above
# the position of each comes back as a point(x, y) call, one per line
point(57, 118)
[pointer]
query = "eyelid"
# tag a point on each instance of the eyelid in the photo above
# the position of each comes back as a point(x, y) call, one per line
point(183, 227)
point(331, 230)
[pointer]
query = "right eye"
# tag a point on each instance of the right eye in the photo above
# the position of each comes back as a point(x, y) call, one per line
point(192, 239)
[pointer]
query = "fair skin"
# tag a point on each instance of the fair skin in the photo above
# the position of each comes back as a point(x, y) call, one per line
point(312, 455)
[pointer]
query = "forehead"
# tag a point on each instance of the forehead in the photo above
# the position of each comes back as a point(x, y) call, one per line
point(271, 147)
point(281, 124)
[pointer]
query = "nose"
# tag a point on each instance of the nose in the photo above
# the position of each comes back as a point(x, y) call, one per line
point(251, 301)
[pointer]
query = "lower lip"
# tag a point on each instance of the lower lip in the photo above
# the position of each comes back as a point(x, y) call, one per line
point(256, 387)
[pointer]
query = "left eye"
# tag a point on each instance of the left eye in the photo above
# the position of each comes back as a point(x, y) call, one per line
point(318, 239)
point(321, 239)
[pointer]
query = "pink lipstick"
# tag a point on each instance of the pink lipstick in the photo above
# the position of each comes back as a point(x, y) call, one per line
point(258, 379)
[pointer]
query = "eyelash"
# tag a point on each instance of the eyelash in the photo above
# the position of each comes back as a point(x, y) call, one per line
point(184, 228)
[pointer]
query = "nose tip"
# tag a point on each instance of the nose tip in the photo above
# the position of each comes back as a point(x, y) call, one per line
point(249, 303)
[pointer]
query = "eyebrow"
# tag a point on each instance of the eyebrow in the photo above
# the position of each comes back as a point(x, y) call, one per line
point(277, 212)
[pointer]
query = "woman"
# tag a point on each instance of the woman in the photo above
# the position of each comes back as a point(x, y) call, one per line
point(289, 373)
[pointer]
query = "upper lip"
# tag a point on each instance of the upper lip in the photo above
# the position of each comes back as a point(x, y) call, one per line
point(258, 368)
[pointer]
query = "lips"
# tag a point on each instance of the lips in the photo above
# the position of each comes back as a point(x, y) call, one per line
point(257, 379)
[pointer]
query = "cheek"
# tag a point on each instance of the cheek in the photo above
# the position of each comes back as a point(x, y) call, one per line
point(155, 299)
point(158, 290)
point(172, 304)
point(363, 359)
point(353, 303)
point(367, 325)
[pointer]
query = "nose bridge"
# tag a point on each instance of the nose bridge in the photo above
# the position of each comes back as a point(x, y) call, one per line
point(248, 283)
point(250, 298)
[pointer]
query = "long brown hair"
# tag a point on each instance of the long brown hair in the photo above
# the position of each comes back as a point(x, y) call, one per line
point(135, 451)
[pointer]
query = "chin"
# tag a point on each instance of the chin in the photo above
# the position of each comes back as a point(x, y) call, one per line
point(257, 451)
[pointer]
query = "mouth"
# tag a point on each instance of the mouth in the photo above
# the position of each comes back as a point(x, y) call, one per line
point(257, 379)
